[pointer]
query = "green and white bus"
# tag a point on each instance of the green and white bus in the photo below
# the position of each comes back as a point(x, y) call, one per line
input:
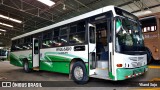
point(106, 43)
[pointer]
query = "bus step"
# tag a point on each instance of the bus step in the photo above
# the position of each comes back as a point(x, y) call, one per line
point(36, 68)
point(100, 76)
point(101, 72)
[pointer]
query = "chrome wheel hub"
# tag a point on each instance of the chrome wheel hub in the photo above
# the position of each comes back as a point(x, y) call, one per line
point(78, 72)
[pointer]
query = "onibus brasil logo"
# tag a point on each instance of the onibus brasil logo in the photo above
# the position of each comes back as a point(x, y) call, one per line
point(21, 84)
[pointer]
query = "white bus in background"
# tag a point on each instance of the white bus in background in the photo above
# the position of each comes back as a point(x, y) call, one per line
point(3, 54)
point(105, 43)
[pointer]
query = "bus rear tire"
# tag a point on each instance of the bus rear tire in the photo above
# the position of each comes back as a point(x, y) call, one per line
point(26, 67)
point(79, 73)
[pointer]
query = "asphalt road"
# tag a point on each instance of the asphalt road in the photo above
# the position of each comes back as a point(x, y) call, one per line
point(60, 81)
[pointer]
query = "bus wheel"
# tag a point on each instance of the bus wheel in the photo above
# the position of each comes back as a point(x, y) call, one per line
point(26, 67)
point(79, 73)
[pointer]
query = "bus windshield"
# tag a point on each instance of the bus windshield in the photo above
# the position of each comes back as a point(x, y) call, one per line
point(128, 36)
point(3, 52)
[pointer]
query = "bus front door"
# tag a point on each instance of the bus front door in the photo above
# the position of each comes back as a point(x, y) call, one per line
point(35, 54)
point(92, 48)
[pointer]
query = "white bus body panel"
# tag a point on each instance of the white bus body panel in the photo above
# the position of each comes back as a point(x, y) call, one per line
point(70, 54)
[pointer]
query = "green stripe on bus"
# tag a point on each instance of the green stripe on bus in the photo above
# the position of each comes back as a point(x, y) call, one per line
point(15, 60)
point(122, 72)
point(56, 63)
point(111, 76)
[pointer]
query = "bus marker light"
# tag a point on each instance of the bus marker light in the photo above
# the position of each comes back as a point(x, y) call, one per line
point(156, 50)
point(119, 65)
point(126, 76)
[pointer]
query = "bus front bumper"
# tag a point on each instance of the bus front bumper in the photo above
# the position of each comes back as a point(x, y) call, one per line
point(123, 73)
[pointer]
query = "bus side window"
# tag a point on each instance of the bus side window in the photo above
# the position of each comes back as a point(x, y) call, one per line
point(77, 34)
point(55, 38)
point(77, 38)
point(47, 39)
point(63, 40)
point(55, 42)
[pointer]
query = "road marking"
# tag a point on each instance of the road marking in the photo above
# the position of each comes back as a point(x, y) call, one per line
point(153, 66)
point(155, 79)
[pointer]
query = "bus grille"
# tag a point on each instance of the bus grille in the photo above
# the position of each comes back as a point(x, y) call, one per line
point(136, 58)
point(136, 64)
point(137, 61)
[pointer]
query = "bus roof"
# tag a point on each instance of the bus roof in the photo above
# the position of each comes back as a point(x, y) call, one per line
point(83, 16)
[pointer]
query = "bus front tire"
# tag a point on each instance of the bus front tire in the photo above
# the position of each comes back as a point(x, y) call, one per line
point(79, 73)
point(26, 67)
